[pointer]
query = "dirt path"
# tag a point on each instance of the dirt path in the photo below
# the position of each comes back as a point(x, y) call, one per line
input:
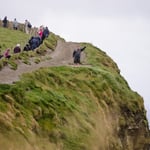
point(61, 56)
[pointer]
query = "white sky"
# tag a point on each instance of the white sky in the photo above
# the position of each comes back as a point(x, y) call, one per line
point(121, 28)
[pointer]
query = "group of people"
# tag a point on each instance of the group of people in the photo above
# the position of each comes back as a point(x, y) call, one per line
point(35, 41)
point(17, 49)
point(42, 32)
point(5, 23)
point(15, 24)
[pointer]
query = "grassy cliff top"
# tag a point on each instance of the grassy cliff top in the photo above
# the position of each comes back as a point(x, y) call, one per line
point(71, 108)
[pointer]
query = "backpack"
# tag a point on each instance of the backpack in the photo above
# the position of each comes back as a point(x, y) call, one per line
point(29, 25)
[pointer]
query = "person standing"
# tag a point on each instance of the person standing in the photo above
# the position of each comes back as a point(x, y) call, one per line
point(15, 24)
point(5, 22)
point(77, 55)
point(40, 32)
point(28, 26)
point(45, 33)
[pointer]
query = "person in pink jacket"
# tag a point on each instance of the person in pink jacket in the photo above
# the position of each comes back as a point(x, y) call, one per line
point(7, 53)
point(40, 32)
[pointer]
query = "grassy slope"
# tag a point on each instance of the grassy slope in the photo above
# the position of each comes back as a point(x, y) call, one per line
point(70, 108)
point(9, 39)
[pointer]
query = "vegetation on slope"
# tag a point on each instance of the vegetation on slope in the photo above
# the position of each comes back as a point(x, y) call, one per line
point(9, 38)
point(22, 38)
point(97, 57)
point(74, 108)
point(62, 101)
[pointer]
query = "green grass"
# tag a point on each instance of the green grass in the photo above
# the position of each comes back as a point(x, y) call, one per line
point(53, 95)
point(9, 39)
point(63, 100)
point(49, 43)
point(99, 58)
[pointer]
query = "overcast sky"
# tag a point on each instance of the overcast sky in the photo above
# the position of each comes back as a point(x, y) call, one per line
point(121, 28)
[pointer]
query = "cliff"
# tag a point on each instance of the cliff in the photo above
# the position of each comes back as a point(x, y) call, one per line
point(58, 106)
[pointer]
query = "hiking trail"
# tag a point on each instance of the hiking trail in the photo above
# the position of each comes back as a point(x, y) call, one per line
point(62, 55)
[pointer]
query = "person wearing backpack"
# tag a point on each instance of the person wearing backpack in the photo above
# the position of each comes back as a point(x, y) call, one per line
point(28, 26)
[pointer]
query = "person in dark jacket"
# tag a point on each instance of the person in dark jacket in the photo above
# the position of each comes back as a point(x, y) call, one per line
point(17, 49)
point(77, 55)
point(34, 42)
point(27, 47)
point(5, 21)
point(45, 33)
